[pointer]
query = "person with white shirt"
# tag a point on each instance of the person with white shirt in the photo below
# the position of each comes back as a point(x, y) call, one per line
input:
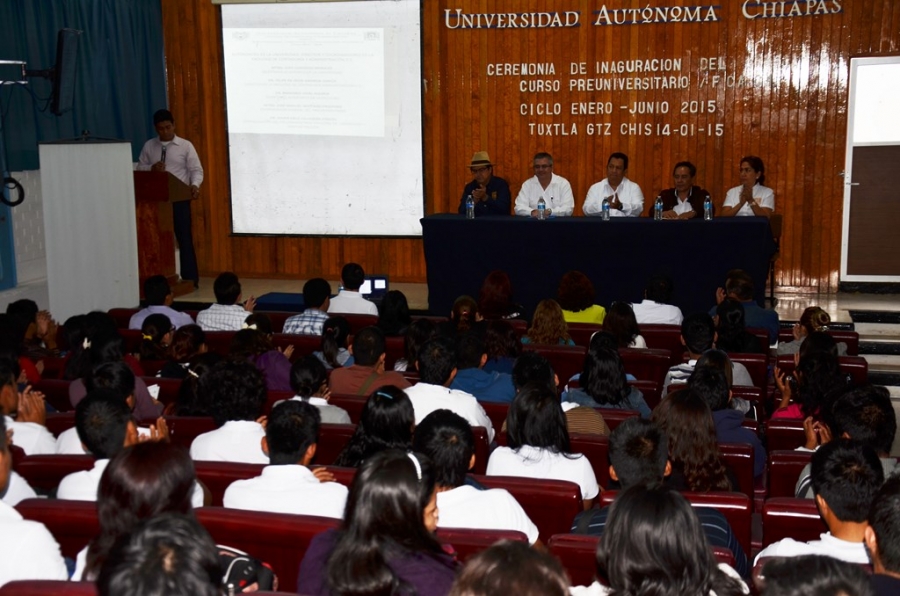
point(238, 391)
point(309, 380)
point(538, 443)
point(287, 484)
point(624, 196)
point(437, 368)
point(657, 307)
point(555, 190)
point(24, 413)
point(447, 439)
point(158, 296)
point(228, 313)
point(846, 476)
point(28, 550)
point(170, 153)
point(349, 300)
point(751, 197)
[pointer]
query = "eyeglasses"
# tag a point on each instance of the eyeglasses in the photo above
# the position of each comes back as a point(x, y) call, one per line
point(479, 170)
point(542, 167)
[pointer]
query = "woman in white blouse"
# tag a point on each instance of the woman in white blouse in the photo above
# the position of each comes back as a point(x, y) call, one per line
point(751, 197)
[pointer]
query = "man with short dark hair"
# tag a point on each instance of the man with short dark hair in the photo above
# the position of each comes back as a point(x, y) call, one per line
point(228, 313)
point(446, 438)
point(657, 308)
point(170, 153)
point(624, 197)
point(739, 285)
point(555, 190)
point(349, 300)
point(846, 476)
point(158, 296)
point(864, 414)
point(316, 298)
point(882, 538)
point(639, 456)
point(470, 376)
point(437, 368)
point(28, 550)
point(287, 485)
point(25, 413)
point(116, 378)
point(489, 193)
point(367, 374)
point(685, 200)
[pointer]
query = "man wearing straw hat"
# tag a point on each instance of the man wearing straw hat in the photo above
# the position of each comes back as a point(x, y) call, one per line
point(491, 194)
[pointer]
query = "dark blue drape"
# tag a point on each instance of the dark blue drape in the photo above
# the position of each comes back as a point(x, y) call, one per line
point(120, 77)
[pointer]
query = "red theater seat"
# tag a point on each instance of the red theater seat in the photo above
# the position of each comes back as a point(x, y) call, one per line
point(184, 429)
point(664, 337)
point(757, 365)
point(303, 344)
point(59, 423)
point(56, 393)
point(218, 476)
point(646, 365)
point(122, 316)
point(50, 588)
point(496, 412)
point(851, 338)
point(565, 360)
point(45, 472)
point(762, 336)
point(651, 389)
point(394, 349)
point(332, 439)
point(357, 321)
point(855, 366)
point(784, 471)
point(739, 456)
point(581, 333)
point(72, 523)
point(354, 404)
point(467, 542)
point(551, 504)
point(596, 449)
point(168, 388)
point(784, 434)
point(219, 341)
point(614, 417)
point(787, 517)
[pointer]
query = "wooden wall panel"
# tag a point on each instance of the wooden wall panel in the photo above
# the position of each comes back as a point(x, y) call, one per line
point(791, 110)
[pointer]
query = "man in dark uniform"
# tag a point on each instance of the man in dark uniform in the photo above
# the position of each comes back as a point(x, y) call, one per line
point(490, 193)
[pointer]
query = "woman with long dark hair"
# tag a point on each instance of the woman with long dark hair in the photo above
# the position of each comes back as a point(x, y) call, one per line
point(386, 543)
point(502, 346)
point(187, 341)
point(495, 298)
point(538, 445)
point(653, 544)
point(603, 383)
point(334, 353)
point(622, 324)
point(815, 384)
point(156, 337)
point(386, 422)
point(254, 344)
point(393, 314)
point(732, 336)
point(309, 380)
point(416, 335)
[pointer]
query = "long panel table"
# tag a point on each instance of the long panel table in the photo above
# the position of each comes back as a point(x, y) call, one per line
point(619, 256)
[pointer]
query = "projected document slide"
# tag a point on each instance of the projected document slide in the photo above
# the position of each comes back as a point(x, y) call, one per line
point(324, 117)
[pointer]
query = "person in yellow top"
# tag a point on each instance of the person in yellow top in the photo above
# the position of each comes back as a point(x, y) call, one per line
point(576, 297)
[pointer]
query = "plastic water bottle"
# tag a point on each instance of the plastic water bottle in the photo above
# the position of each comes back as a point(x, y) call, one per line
point(604, 210)
point(658, 208)
point(707, 209)
point(542, 209)
point(470, 207)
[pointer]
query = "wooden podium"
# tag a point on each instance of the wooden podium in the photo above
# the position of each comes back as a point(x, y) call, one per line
point(154, 192)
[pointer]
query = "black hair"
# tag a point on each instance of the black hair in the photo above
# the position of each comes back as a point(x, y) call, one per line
point(437, 359)
point(469, 350)
point(639, 451)
point(603, 376)
point(258, 321)
point(24, 309)
point(386, 422)
point(739, 284)
point(685, 164)
point(235, 391)
point(659, 289)
point(153, 331)
point(531, 367)
point(818, 342)
point(621, 323)
point(884, 517)
point(315, 292)
point(92, 338)
point(814, 575)
point(846, 474)
point(101, 421)
point(536, 418)
point(368, 346)
point(393, 313)
point(162, 116)
point(187, 341)
point(731, 329)
point(618, 155)
point(191, 401)
point(654, 543)
point(710, 385)
point(291, 428)
point(415, 337)
point(384, 513)
point(511, 567)
point(169, 554)
point(819, 382)
point(698, 332)
point(308, 375)
point(447, 439)
point(156, 290)
point(247, 344)
point(757, 164)
point(13, 330)
point(227, 288)
point(719, 360)
point(334, 337)
point(501, 340)
point(115, 377)
point(866, 415)
point(352, 276)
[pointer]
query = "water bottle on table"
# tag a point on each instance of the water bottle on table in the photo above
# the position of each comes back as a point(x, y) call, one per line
point(707, 209)
point(470, 207)
point(604, 210)
point(542, 209)
point(658, 208)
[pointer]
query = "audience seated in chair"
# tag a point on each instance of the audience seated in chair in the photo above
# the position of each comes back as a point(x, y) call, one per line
point(367, 374)
point(113, 377)
point(254, 344)
point(846, 475)
point(502, 346)
point(229, 312)
point(309, 381)
point(510, 567)
point(548, 327)
point(386, 422)
point(603, 382)
point(446, 438)
point(882, 538)
point(739, 285)
point(816, 383)
point(24, 413)
point(188, 342)
point(393, 314)
point(657, 308)
point(638, 455)
point(317, 299)
point(621, 323)
point(815, 574)
point(159, 297)
point(471, 377)
point(575, 296)
point(287, 485)
point(731, 330)
point(415, 337)
point(349, 300)
point(156, 338)
point(813, 319)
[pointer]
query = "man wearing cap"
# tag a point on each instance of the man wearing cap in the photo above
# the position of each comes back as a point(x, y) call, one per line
point(491, 194)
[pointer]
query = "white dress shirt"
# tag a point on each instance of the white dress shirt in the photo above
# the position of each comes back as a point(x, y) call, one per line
point(178, 319)
point(495, 509)
point(656, 313)
point(222, 317)
point(763, 195)
point(28, 550)
point(350, 302)
point(287, 489)
point(558, 196)
point(598, 589)
point(852, 552)
point(31, 437)
point(629, 194)
point(236, 441)
point(426, 398)
point(535, 462)
point(17, 490)
point(182, 160)
point(83, 485)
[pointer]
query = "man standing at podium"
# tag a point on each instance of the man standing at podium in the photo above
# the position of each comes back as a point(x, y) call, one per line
point(171, 153)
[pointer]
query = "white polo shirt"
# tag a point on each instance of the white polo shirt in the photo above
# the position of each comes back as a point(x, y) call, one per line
point(28, 550)
point(287, 489)
point(495, 509)
point(33, 438)
point(83, 486)
point(235, 441)
point(534, 462)
point(426, 398)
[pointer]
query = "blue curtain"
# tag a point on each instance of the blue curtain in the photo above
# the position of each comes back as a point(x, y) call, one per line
point(120, 80)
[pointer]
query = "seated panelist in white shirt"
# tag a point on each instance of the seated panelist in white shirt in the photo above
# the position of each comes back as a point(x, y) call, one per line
point(287, 484)
point(624, 196)
point(555, 190)
point(751, 197)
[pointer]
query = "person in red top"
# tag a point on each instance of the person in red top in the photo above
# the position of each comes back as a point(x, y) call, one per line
point(367, 374)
